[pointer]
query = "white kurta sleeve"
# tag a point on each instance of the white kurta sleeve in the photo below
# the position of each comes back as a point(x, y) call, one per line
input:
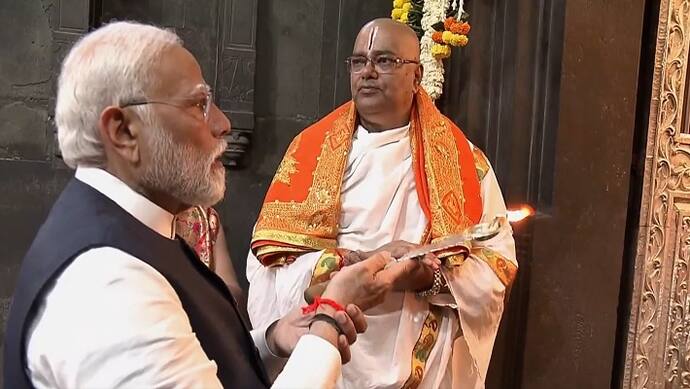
point(315, 363)
point(272, 363)
point(111, 320)
point(275, 291)
point(477, 291)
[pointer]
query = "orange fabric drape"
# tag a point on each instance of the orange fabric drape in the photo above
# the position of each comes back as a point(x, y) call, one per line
point(301, 210)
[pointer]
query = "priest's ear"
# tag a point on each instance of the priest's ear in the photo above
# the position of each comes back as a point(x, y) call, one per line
point(418, 77)
point(119, 133)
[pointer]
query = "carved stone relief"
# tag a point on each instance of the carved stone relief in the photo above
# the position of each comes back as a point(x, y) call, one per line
point(221, 33)
point(235, 73)
point(658, 352)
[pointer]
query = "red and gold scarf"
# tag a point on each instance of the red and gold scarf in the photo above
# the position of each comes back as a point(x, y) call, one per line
point(301, 210)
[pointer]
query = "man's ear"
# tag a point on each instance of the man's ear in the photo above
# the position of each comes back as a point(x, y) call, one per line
point(418, 77)
point(119, 134)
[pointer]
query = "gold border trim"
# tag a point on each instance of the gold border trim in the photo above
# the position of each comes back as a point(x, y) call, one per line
point(323, 198)
point(329, 261)
point(480, 162)
point(292, 238)
point(504, 269)
point(422, 349)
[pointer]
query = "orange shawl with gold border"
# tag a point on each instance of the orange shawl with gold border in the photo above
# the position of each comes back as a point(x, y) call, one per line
point(301, 210)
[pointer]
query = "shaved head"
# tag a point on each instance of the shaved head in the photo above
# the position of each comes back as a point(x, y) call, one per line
point(383, 90)
point(403, 37)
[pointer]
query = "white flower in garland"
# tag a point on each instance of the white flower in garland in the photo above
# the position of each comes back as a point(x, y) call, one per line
point(440, 24)
point(432, 81)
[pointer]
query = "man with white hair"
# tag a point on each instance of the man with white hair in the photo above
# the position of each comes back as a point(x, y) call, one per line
point(107, 295)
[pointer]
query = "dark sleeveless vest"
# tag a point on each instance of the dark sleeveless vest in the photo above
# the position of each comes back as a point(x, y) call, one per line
point(82, 219)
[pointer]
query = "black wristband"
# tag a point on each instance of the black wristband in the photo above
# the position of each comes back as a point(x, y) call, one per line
point(328, 319)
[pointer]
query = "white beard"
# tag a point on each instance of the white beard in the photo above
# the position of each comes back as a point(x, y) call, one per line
point(183, 171)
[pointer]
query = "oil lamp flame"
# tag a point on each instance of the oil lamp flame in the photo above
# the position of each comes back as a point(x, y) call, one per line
point(520, 213)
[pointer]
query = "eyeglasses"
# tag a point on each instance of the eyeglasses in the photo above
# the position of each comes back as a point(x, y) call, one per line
point(382, 63)
point(203, 103)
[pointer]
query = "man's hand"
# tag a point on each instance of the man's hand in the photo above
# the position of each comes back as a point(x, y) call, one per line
point(417, 275)
point(283, 335)
point(396, 249)
point(352, 322)
point(366, 283)
point(413, 275)
point(359, 286)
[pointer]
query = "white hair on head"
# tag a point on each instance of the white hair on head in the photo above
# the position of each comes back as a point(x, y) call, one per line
point(109, 66)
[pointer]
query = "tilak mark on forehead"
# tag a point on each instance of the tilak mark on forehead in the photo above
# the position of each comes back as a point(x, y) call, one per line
point(372, 35)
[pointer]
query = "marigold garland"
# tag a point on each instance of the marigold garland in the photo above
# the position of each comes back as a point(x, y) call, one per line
point(440, 51)
point(440, 25)
point(401, 9)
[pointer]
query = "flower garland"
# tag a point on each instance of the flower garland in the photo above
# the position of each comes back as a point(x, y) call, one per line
point(401, 10)
point(410, 13)
point(453, 34)
point(439, 24)
point(432, 81)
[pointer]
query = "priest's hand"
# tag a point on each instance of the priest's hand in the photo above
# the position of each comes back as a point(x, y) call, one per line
point(413, 276)
point(365, 283)
point(396, 249)
point(417, 275)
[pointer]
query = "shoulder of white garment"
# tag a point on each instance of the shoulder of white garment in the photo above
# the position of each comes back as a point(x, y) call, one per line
point(116, 308)
point(143, 209)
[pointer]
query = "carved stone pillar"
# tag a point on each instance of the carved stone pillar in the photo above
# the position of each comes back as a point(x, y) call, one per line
point(658, 353)
point(235, 73)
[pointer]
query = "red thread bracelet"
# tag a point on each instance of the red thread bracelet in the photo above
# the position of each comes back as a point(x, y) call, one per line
point(321, 301)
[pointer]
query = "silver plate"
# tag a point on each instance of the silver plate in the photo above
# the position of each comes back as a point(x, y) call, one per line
point(477, 233)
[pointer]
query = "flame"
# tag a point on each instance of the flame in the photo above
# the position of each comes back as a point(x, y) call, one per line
point(519, 214)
